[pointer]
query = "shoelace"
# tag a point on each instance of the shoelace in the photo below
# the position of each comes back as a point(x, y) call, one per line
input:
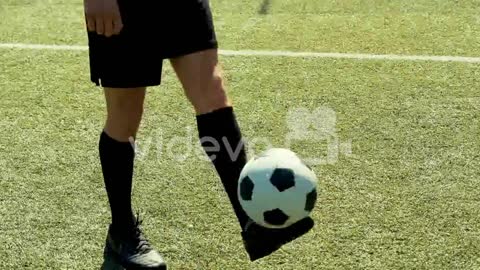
point(142, 243)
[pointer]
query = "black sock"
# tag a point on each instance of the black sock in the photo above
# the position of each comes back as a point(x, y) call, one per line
point(221, 125)
point(117, 166)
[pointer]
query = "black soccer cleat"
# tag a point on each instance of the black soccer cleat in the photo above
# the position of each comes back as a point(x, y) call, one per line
point(260, 242)
point(130, 250)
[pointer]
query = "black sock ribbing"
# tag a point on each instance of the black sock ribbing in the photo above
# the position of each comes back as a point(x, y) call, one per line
point(221, 126)
point(117, 160)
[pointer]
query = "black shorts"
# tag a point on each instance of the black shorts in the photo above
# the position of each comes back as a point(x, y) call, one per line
point(153, 30)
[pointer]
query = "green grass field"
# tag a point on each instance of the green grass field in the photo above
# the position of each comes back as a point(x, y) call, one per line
point(407, 198)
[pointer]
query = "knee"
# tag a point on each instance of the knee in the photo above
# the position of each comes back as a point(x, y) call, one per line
point(211, 96)
point(216, 90)
point(124, 115)
point(126, 110)
point(123, 125)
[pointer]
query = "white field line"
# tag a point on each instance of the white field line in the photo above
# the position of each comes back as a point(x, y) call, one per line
point(360, 56)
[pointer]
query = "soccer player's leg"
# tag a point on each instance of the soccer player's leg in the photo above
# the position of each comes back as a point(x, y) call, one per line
point(124, 67)
point(125, 244)
point(124, 113)
point(201, 79)
point(221, 138)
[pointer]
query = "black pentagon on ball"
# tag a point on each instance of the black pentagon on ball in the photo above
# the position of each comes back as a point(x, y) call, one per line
point(283, 179)
point(311, 199)
point(275, 217)
point(246, 188)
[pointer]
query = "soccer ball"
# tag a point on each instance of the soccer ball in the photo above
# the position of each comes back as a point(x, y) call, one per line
point(276, 189)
